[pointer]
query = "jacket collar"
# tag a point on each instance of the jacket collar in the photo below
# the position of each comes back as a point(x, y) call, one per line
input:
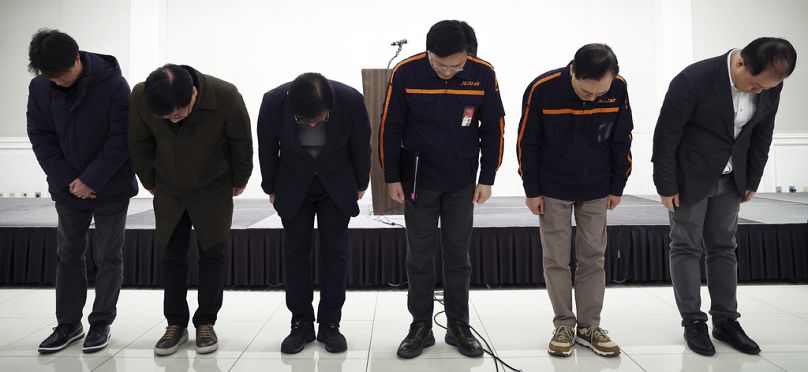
point(206, 98)
point(426, 72)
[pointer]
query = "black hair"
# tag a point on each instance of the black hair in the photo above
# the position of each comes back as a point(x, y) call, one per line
point(594, 61)
point(51, 52)
point(449, 37)
point(309, 94)
point(770, 53)
point(168, 88)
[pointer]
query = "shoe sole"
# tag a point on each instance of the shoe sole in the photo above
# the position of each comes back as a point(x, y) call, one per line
point(429, 341)
point(173, 349)
point(452, 341)
point(48, 350)
point(559, 353)
point(207, 349)
point(330, 349)
point(586, 343)
point(699, 351)
point(720, 337)
point(295, 351)
point(97, 348)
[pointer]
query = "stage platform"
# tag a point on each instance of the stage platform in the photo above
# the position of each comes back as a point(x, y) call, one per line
point(505, 248)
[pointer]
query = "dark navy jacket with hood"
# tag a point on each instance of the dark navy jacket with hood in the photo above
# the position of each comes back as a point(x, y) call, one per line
point(83, 134)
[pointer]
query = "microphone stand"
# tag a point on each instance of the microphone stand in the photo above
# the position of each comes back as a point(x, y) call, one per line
point(400, 45)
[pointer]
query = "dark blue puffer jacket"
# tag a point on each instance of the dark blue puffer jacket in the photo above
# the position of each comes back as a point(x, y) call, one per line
point(84, 135)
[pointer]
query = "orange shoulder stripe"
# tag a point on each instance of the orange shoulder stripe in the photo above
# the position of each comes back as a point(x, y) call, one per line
point(387, 103)
point(524, 116)
point(484, 63)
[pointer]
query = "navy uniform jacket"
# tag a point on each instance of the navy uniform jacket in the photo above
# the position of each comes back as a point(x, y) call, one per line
point(571, 149)
point(83, 137)
point(424, 114)
point(695, 134)
point(343, 165)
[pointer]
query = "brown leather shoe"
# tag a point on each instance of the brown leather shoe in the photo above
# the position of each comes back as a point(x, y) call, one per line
point(171, 341)
point(206, 340)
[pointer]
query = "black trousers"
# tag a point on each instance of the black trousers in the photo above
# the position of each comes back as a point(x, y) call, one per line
point(175, 278)
point(456, 213)
point(332, 226)
point(71, 270)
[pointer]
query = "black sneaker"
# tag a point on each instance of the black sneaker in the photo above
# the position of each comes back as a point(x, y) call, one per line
point(302, 333)
point(730, 331)
point(206, 339)
point(419, 337)
point(171, 341)
point(63, 335)
point(330, 336)
point(97, 338)
point(698, 339)
point(459, 335)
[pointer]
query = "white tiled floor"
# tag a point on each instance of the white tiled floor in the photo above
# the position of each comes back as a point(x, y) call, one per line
point(517, 324)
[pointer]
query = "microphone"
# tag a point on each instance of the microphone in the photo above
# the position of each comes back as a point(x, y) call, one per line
point(399, 44)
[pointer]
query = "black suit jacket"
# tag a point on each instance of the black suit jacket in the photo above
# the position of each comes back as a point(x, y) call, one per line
point(694, 136)
point(343, 166)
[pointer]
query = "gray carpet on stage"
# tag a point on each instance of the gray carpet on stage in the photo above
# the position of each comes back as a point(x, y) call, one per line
point(776, 208)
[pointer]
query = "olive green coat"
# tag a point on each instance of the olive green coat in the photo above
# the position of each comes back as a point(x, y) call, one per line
point(195, 168)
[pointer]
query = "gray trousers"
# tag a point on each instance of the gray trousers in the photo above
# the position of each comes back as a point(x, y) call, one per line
point(456, 213)
point(71, 270)
point(590, 246)
point(706, 227)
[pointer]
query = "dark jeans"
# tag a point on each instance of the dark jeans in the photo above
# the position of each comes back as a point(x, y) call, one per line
point(71, 270)
point(175, 278)
point(456, 213)
point(707, 226)
point(332, 226)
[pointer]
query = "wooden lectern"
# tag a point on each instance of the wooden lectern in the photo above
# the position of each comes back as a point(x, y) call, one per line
point(374, 87)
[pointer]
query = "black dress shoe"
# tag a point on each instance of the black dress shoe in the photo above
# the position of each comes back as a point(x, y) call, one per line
point(302, 333)
point(459, 335)
point(698, 338)
point(97, 338)
point(419, 337)
point(63, 335)
point(330, 336)
point(730, 331)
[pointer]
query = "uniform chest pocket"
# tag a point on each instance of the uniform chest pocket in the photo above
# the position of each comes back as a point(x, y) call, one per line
point(421, 107)
point(600, 132)
point(469, 109)
point(558, 130)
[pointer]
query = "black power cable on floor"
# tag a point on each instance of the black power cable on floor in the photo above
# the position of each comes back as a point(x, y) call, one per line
point(438, 297)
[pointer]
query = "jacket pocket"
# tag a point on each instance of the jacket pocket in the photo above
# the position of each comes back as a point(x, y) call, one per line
point(465, 126)
point(422, 107)
point(559, 131)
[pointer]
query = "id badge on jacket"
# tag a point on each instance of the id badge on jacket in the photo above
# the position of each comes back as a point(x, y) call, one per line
point(468, 114)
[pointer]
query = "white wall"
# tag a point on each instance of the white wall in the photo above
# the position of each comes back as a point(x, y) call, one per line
point(98, 25)
point(258, 45)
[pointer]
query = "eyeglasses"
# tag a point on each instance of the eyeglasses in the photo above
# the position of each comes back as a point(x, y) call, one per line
point(439, 66)
point(313, 122)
